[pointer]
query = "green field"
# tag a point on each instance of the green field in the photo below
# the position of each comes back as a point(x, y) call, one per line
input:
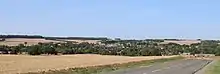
point(214, 68)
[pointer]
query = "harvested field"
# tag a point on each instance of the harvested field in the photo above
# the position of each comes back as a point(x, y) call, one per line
point(17, 41)
point(80, 41)
point(10, 64)
point(186, 42)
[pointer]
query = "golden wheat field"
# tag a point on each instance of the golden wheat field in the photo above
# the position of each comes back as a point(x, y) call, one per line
point(10, 64)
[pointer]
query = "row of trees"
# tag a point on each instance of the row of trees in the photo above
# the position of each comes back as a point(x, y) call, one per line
point(52, 38)
point(126, 48)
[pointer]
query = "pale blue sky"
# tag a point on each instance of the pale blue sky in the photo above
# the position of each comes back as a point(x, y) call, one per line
point(112, 18)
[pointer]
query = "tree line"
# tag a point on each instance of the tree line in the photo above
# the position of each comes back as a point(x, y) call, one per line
point(112, 47)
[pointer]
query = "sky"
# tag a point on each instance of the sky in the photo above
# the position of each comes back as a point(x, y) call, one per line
point(133, 19)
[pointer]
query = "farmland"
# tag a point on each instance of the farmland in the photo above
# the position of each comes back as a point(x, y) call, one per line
point(17, 41)
point(24, 63)
point(37, 53)
point(183, 42)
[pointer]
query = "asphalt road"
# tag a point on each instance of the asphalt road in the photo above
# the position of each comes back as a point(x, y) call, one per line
point(187, 66)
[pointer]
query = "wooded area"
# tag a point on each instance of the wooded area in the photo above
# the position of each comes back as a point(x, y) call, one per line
point(116, 47)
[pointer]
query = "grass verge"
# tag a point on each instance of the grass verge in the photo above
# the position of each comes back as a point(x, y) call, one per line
point(105, 68)
point(214, 68)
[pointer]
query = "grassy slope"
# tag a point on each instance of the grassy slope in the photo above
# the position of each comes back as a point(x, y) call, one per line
point(106, 68)
point(214, 68)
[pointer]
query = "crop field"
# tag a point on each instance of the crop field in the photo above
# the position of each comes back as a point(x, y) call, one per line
point(80, 41)
point(186, 42)
point(10, 64)
point(17, 41)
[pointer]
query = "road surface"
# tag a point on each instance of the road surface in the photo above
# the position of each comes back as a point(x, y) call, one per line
point(186, 66)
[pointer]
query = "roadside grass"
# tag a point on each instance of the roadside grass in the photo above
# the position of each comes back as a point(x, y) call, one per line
point(214, 68)
point(105, 68)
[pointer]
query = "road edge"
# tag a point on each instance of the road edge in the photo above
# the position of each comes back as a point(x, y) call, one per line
point(204, 68)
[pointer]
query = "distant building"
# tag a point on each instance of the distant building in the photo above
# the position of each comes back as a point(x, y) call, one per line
point(3, 51)
point(2, 39)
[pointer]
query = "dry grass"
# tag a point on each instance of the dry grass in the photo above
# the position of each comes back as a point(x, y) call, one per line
point(10, 64)
point(17, 41)
point(186, 42)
